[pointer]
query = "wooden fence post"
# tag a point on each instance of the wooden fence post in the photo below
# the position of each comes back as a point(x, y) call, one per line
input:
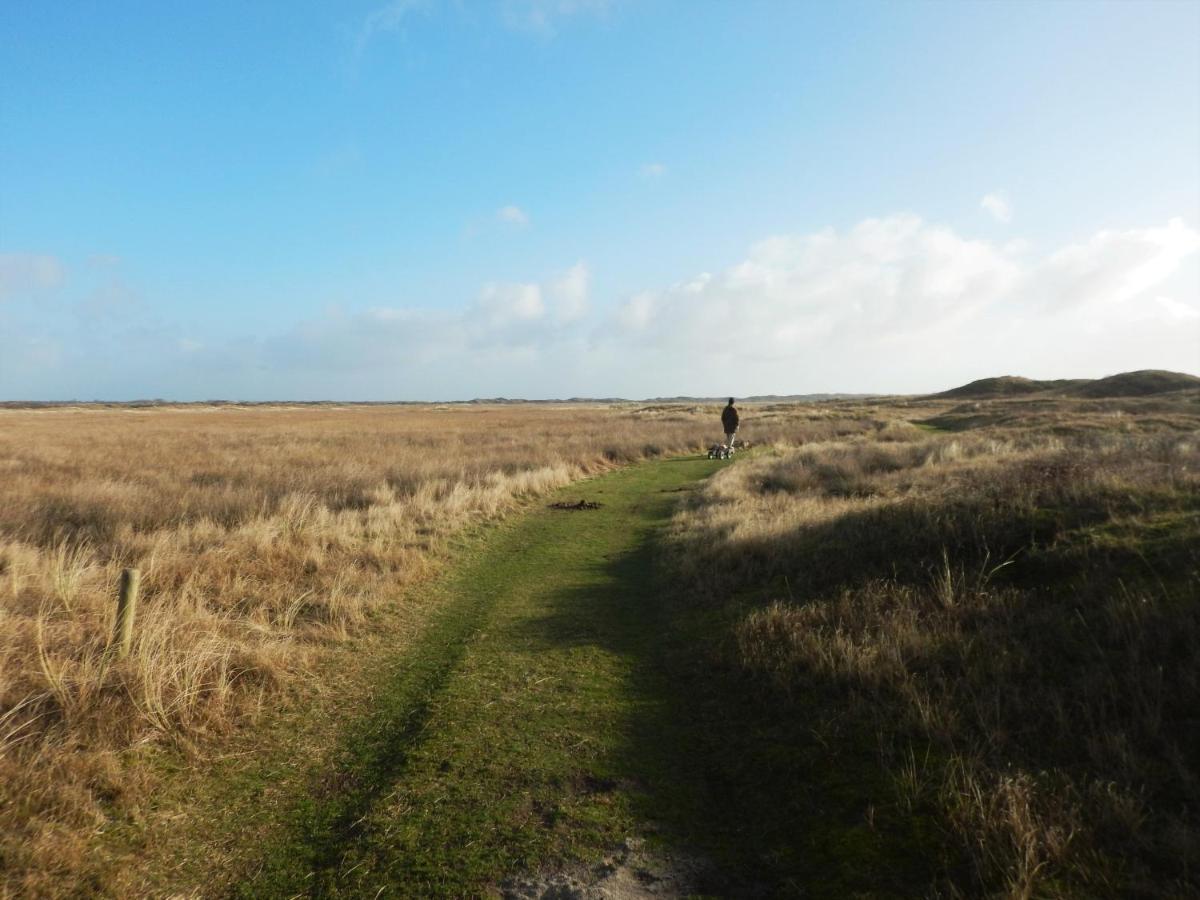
point(126, 607)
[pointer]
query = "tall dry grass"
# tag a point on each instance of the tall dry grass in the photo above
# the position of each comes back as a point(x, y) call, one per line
point(264, 536)
point(1010, 614)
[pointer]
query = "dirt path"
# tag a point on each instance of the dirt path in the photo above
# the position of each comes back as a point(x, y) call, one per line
point(523, 747)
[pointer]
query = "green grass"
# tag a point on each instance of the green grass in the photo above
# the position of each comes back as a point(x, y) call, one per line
point(513, 735)
point(562, 697)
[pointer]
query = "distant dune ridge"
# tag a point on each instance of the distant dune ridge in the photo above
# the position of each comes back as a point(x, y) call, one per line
point(1142, 383)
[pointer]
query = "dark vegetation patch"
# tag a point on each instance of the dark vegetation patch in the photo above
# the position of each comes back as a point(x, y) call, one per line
point(1002, 386)
point(1143, 383)
point(961, 666)
point(577, 505)
point(1067, 417)
point(1136, 384)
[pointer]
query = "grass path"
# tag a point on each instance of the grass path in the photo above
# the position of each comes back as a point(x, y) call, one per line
point(529, 726)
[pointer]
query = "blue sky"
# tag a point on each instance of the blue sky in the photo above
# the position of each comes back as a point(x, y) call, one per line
point(443, 200)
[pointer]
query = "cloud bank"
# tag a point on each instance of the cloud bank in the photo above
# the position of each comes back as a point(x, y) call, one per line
point(894, 303)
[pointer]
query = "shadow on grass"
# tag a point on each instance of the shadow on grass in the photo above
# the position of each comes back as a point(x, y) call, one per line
point(778, 807)
point(983, 537)
point(785, 789)
point(791, 790)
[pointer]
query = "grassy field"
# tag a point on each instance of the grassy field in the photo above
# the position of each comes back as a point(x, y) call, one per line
point(508, 744)
point(980, 636)
point(267, 537)
point(910, 647)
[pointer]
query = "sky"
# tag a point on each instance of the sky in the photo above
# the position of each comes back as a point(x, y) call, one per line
point(440, 200)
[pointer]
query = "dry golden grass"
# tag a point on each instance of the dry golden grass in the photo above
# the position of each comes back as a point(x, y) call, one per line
point(1009, 612)
point(265, 536)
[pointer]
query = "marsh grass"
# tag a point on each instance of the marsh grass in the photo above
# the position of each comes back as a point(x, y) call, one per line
point(971, 589)
point(266, 537)
point(1010, 614)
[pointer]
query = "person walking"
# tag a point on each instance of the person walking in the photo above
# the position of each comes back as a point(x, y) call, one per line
point(729, 421)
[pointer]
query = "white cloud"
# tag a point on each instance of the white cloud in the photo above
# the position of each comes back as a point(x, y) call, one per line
point(1113, 267)
point(891, 304)
point(1177, 309)
point(882, 278)
point(506, 319)
point(652, 170)
point(570, 293)
point(26, 273)
point(901, 304)
point(504, 304)
point(541, 16)
point(383, 19)
point(998, 206)
point(512, 215)
point(518, 313)
point(636, 313)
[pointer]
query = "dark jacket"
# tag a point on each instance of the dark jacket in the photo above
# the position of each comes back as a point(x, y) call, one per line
point(729, 418)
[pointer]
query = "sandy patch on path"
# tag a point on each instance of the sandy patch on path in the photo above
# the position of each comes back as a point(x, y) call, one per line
point(631, 873)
